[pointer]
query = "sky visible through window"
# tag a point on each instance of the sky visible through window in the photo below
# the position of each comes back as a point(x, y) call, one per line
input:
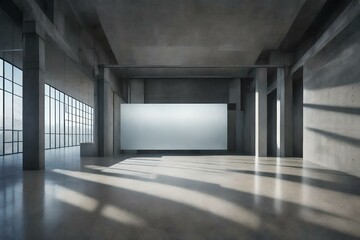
point(68, 122)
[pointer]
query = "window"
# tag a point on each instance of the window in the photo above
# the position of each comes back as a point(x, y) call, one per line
point(11, 134)
point(68, 122)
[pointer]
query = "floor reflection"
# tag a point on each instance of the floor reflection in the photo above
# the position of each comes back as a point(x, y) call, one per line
point(176, 197)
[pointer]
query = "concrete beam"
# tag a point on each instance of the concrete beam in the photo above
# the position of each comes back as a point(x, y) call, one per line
point(34, 10)
point(185, 77)
point(261, 112)
point(343, 20)
point(33, 96)
point(193, 66)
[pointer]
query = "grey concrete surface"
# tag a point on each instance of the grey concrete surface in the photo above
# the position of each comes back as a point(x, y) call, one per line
point(248, 101)
point(235, 98)
point(11, 38)
point(33, 96)
point(137, 91)
point(261, 112)
point(105, 115)
point(284, 98)
point(88, 149)
point(176, 197)
point(117, 125)
point(186, 91)
point(194, 32)
point(298, 114)
point(271, 124)
point(350, 14)
point(65, 75)
point(332, 103)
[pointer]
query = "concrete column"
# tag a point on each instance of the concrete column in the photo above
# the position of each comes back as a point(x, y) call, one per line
point(105, 115)
point(284, 139)
point(235, 98)
point(280, 112)
point(33, 96)
point(289, 146)
point(261, 112)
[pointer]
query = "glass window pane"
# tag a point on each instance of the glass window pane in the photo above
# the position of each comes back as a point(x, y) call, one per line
point(15, 147)
point(17, 113)
point(8, 136)
point(10, 108)
point(61, 140)
point(52, 92)
point(47, 141)
point(57, 118)
point(57, 140)
point(61, 117)
point(52, 115)
point(67, 120)
point(47, 115)
point(8, 71)
point(18, 76)
point(52, 139)
point(47, 90)
point(18, 90)
point(8, 85)
point(8, 111)
point(15, 136)
point(8, 148)
point(1, 142)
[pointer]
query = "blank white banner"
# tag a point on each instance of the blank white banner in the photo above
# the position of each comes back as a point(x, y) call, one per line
point(174, 126)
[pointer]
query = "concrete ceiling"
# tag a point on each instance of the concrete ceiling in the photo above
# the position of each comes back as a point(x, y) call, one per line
point(194, 32)
point(190, 32)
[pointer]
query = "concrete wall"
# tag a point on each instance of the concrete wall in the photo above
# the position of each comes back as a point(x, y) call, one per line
point(137, 91)
point(332, 103)
point(64, 74)
point(186, 91)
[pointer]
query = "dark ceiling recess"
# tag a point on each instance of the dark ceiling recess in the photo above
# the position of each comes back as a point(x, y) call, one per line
point(329, 12)
point(12, 10)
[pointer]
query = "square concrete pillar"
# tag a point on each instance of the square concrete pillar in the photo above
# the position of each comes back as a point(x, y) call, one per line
point(237, 128)
point(284, 138)
point(261, 112)
point(33, 96)
point(105, 115)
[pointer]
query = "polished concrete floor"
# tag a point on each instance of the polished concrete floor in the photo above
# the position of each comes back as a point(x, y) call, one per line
point(176, 197)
